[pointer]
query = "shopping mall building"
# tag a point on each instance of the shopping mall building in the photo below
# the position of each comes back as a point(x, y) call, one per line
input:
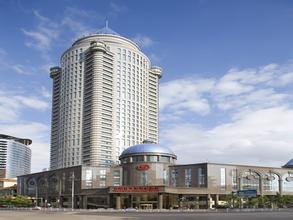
point(147, 177)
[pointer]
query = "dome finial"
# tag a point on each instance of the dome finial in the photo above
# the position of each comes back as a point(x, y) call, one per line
point(107, 23)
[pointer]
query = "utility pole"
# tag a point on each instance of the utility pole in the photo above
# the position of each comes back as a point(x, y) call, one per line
point(72, 191)
point(36, 182)
point(60, 190)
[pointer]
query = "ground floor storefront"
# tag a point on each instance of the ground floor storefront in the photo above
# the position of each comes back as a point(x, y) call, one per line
point(154, 197)
point(160, 197)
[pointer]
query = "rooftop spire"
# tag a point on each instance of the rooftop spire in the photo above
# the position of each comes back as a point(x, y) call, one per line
point(106, 29)
point(107, 24)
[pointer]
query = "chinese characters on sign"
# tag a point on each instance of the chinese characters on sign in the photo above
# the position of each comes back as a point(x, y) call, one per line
point(135, 189)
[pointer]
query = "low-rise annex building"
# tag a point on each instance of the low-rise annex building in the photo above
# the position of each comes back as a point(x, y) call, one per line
point(148, 177)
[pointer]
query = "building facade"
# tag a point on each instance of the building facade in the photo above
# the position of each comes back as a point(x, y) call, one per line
point(148, 178)
point(15, 156)
point(105, 98)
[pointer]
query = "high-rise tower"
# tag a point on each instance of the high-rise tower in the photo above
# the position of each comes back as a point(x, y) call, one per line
point(105, 98)
point(15, 156)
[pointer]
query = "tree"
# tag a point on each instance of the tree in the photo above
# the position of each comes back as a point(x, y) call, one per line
point(15, 201)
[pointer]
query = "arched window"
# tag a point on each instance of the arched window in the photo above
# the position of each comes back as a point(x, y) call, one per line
point(42, 185)
point(31, 186)
point(54, 184)
point(288, 182)
point(250, 180)
point(271, 182)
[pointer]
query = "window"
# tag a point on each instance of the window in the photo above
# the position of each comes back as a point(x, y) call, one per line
point(165, 176)
point(271, 182)
point(144, 178)
point(287, 182)
point(102, 178)
point(116, 178)
point(164, 159)
point(88, 178)
point(250, 180)
point(151, 158)
point(201, 177)
point(223, 179)
point(174, 178)
point(188, 177)
point(234, 179)
point(137, 158)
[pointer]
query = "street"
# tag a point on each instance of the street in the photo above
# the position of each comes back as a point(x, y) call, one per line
point(88, 215)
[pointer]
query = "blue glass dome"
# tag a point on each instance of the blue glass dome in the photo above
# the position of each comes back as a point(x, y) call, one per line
point(147, 148)
point(289, 164)
point(107, 30)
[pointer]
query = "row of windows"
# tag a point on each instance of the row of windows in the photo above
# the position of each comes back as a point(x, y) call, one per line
point(130, 56)
point(201, 177)
point(147, 158)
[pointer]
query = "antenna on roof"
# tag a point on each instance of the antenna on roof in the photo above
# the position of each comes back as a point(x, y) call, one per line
point(107, 23)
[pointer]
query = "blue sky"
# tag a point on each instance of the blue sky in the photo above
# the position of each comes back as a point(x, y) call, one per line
point(226, 93)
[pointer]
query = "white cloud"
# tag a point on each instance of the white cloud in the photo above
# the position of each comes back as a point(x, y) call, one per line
point(7, 114)
point(11, 105)
point(185, 95)
point(143, 41)
point(14, 121)
point(47, 31)
point(45, 92)
point(249, 116)
point(232, 87)
point(9, 109)
point(42, 37)
point(32, 102)
point(263, 137)
point(78, 27)
point(255, 99)
point(39, 40)
point(285, 79)
point(118, 8)
point(155, 58)
point(6, 63)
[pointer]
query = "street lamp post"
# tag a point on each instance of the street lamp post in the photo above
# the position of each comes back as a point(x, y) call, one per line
point(36, 192)
point(60, 192)
point(72, 191)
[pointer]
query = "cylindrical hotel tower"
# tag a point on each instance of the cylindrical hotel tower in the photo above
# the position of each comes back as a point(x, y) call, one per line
point(105, 98)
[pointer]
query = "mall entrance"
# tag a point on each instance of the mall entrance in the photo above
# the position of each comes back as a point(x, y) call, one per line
point(138, 197)
point(145, 201)
point(140, 201)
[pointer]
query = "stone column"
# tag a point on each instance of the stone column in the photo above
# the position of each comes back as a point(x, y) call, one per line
point(239, 183)
point(280, 186)
point(60, 201)
point(241, 203)
point(180, 200)
point(118, 201)
point(80, 203)
point(217, 200)
point(131, 201)
point(84, 202)
point(260, 185)
point(160, 201)
point(197, 202)
point(209, 201)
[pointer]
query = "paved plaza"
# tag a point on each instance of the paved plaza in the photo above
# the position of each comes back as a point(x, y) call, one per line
point(77, 215)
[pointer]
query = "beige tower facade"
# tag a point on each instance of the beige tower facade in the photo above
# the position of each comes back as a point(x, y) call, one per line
point(105, 98)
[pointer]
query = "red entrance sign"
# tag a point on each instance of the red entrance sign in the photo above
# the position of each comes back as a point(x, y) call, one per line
point(143, 167)
point(135, 189)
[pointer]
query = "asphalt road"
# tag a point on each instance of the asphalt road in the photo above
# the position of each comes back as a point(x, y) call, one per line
point(42, 215)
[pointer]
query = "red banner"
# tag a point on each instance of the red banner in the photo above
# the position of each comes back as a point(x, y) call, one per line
point(135, 189)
